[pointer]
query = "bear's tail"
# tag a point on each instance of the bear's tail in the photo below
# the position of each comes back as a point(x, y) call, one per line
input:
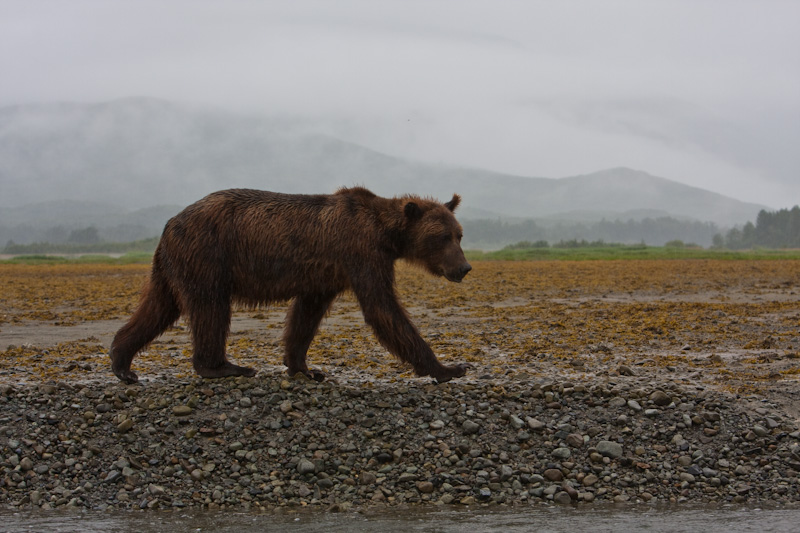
point(158, 309)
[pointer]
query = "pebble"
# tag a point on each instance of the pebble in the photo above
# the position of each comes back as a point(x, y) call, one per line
point(660, 398)
point(340, 446)
point(562, 498)
point(561, 453)
point(633, 404)
point(553, 474)
point(534, 424)
point(470, 427)
point(425, 487)
point(609, 449)
point(304, 466)
point(575, 440)
point(181, 410)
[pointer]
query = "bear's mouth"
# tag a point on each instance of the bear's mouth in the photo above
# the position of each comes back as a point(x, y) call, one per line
point(455, 277)
point(457, 274)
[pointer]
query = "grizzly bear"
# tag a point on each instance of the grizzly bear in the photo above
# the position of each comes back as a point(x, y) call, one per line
point(256, 247)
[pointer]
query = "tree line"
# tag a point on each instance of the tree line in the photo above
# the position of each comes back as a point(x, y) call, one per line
point(776, 229)
point(652, 231)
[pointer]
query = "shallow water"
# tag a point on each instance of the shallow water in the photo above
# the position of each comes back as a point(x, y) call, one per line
point(551, 519)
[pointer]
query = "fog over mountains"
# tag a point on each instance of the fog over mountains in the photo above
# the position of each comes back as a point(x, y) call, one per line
point(102, 164)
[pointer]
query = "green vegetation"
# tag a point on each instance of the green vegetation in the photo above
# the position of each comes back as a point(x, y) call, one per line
point(571, 250)
point(610, 251)
point(777, 229)
point(41, 259)
point(655, 231)
point(73, 248)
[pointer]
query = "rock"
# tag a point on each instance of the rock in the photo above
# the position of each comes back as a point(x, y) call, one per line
point(469, 427)
point(609, 449)
point(575, 440)
point(561, 453)
point(617, 401)
point(553, 474)
point(425, 487)
point(660, 398)
point(304, 466)
point(534, 424)
point(633, 404)
point(569, 489)
point(562, 498)
point(625, 370)
point(181, 410)
point(113, 476)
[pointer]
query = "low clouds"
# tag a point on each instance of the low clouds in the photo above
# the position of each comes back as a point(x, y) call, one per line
point(707, 93)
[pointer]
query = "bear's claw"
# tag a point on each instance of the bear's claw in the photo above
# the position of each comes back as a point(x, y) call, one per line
point(226, 370)
point(127, 376)
point(312, 374)
point(456, 371)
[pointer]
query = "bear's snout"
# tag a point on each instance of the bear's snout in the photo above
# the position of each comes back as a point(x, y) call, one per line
point(458, 274)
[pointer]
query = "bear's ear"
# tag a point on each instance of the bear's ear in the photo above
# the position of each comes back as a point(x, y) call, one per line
point(452, 204)
point(412, 211)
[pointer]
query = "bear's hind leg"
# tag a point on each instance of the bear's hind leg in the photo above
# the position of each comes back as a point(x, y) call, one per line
point(210, 322)
point(302, 324)
point(157, 311)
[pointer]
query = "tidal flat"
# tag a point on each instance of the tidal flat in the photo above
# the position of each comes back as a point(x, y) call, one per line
point(652, 382)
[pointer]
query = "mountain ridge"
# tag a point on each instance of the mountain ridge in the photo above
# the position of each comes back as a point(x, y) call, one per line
point(143, 152)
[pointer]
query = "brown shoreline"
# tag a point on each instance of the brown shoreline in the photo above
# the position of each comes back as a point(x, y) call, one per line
point(585, 349)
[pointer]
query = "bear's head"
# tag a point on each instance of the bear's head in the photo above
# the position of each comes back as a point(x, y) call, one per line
point(433, 237)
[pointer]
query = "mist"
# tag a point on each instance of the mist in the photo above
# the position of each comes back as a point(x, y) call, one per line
point(703, 93)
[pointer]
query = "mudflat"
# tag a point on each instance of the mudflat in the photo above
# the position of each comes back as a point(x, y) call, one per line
point(653, 380)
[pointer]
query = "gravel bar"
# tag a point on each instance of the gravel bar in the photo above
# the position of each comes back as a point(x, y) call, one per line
point(271, 442)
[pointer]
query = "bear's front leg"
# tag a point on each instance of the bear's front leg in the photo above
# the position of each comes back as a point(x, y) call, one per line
point(394, 330)
point(210, 324)
point(302, 323)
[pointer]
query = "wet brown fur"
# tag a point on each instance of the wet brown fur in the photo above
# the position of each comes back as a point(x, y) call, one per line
point(257, 247)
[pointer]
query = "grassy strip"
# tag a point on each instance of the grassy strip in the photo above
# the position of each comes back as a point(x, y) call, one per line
point(40, 259)
point(98, 248)
point(626, 252)
point(528, 254)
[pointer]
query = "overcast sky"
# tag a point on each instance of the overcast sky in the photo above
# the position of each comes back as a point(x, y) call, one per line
point(705, 92)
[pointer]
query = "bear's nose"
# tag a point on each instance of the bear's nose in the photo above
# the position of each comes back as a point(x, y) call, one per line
point(464, 270)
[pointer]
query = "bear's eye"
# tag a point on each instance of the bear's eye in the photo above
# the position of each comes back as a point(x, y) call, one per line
point(446, 237)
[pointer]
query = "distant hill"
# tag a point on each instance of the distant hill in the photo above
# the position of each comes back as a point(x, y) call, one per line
point(140, 152)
